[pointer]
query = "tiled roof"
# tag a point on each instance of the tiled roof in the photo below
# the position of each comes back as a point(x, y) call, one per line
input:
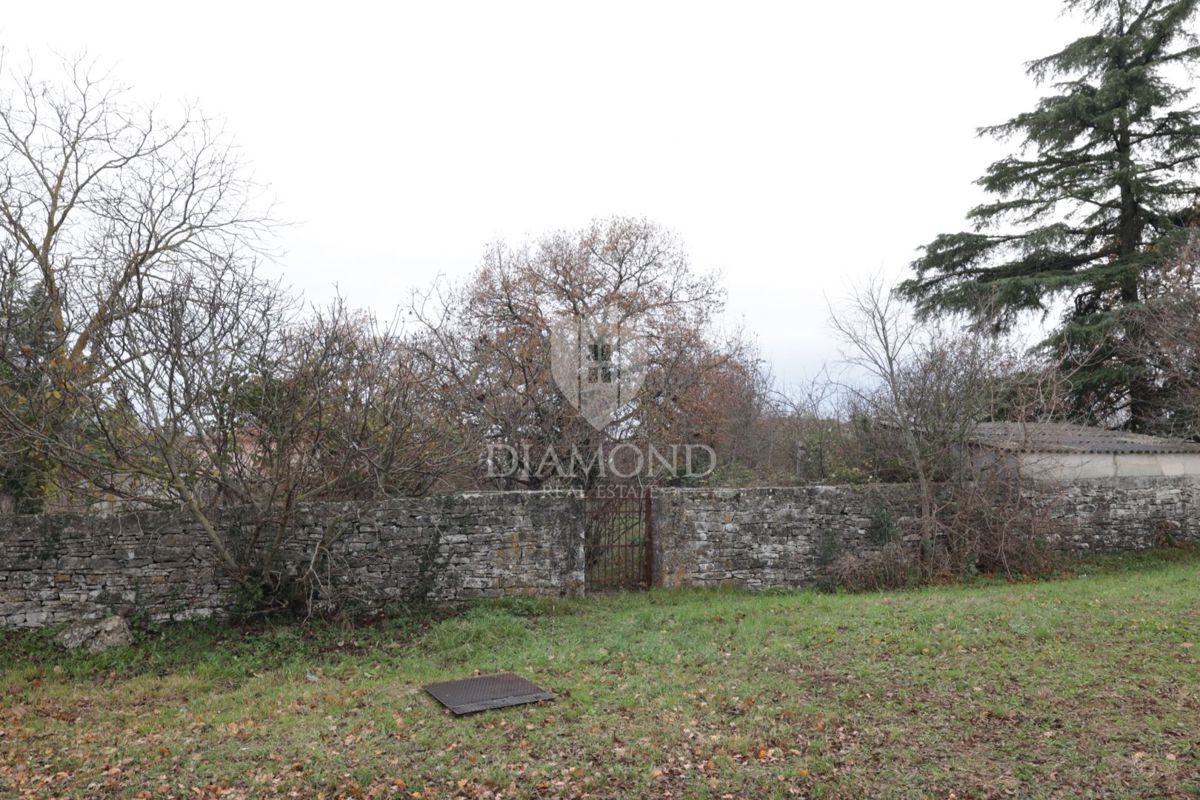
point(1057, 437)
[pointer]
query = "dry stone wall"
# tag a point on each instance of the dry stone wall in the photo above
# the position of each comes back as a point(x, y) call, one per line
point(61, 568)
point(1109, 515)
point(768, 538)
point(782, 538)
point(160, 566)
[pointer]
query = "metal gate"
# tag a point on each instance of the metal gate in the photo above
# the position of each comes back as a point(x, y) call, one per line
point(617, 538)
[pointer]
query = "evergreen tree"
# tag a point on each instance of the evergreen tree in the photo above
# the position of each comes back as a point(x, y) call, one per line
point(1097, 194)
point(27, 343)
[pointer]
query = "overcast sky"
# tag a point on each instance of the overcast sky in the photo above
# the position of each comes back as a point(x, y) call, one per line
point(794, 147)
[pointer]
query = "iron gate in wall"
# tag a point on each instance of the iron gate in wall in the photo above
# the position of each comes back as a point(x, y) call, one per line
point(617, 538)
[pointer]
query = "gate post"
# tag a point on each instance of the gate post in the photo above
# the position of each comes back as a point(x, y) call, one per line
point(575, 527)
point(648, 527)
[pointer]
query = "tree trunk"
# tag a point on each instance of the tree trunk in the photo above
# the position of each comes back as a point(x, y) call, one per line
point(1130, 232)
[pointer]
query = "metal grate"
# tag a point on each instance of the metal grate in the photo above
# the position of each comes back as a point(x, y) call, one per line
point(617, 542)
point(487, 692)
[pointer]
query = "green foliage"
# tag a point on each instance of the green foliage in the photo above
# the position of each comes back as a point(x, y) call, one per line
point(249, 599)
point(849, 475)
point(229, 649)
point(884, 528)
point(27, 346)
point(49, 545)
point(1097, 194)
point(432, 563)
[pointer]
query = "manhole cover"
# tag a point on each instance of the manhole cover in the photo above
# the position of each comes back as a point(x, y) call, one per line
point(487, 691)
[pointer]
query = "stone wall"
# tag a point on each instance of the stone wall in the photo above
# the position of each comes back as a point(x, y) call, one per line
point(767, 538)
point(783, 538)
point(58, 568)
point(1109, 515)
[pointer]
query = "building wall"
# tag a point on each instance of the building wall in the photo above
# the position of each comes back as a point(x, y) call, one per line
point(1088, 466)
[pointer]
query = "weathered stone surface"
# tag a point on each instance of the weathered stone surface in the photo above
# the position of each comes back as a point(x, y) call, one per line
point(63, 568)
point(58, 569)
point(782, 538)
point(97, 636)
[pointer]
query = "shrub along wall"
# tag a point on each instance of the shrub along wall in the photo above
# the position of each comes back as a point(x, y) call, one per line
point(58, 568)
point(771, 538)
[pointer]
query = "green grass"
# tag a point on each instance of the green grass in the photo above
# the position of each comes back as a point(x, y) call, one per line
point(1088, 686)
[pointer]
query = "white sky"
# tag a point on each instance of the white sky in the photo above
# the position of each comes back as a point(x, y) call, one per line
point(793, 146)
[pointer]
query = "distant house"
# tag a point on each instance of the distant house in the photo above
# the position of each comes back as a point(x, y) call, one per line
point(1064, 452)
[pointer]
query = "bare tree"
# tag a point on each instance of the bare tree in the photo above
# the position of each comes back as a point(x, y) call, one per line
point(226, 401)
point(1169, 320)
point(731, 406)
point(921, 392)
point(100, 200)
point(814, 421)
point(142, 356)
point(881, 338)
point(489, 341)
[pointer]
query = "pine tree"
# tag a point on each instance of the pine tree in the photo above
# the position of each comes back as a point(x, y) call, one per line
point(1099, 191)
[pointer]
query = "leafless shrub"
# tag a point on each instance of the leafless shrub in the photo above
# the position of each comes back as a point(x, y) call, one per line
point(991, 525)
point(894, 566)
point(810, 416)
point(923, 393)
point(145, 363)
point(911, 418)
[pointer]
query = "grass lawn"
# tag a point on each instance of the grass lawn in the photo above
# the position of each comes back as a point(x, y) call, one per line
point(1087, 686)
